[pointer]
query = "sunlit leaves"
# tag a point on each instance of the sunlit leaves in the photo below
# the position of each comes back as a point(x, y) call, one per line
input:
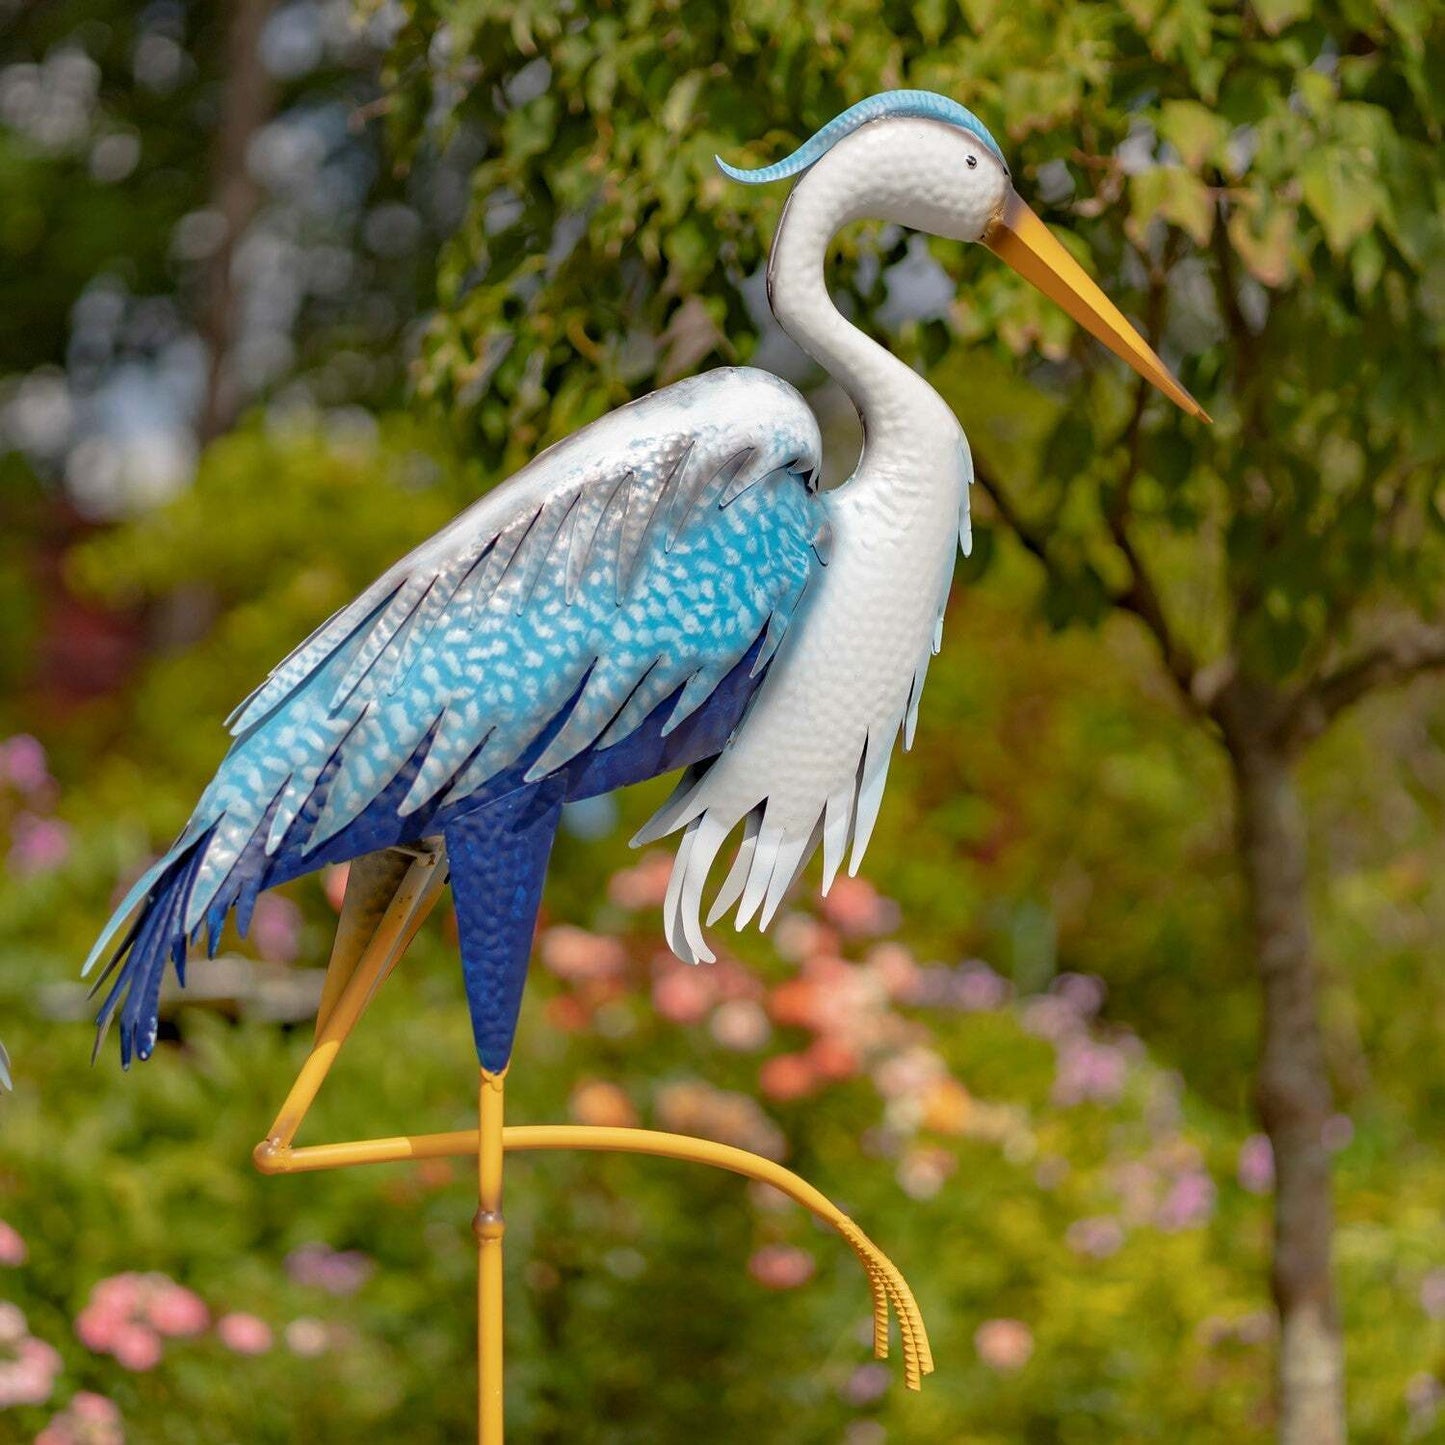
point(1262, 232)
point(1174, 195)
point(1276, 15)
point(1198, 132)
point(1339, 188)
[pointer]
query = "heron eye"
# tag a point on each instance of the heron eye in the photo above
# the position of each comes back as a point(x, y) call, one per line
point(972, 162)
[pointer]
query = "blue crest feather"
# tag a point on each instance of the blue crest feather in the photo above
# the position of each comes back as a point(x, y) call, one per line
point(924, 104)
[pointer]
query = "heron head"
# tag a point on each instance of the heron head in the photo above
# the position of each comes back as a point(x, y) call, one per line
point(924, 161)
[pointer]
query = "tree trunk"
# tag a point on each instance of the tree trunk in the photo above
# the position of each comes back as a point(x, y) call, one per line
point(1292, 1093)
point(248, 98)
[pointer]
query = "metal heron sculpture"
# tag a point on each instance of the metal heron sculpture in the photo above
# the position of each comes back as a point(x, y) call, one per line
point(666, 588)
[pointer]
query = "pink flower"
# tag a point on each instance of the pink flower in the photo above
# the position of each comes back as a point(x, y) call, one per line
point(1097, 1238)
point(1004, 1345)
point(978, 989)
point(867, 1383)
point(38, 844)
point(787, 1077)
point(856, 908)
point(1081, 991)
point(136, 1347)
point(12, 1325)
point(176, 1311)
point(1047, 1016)
point(86, 1405)
point(29, 1378)
point(576, 955)
point(13, 1252)
point(244, 1333)
point(741, 1024)
point(1189, 1202)
point(781, 1266)
point(1255, 1169)
point(922, 1172)
point(89, 1419)
point(689, 1106)
point(339, 1272)
point(644, 885)
point(832, 1059)
point(121, 1293)
point(895, 968)
point(22, 762)
point(97, 1326)
point(1089, 1072)
point(1432, 1294)
point(276, 928)
point(682, 992)
point(128, 1315)
point(796, 936)
point(1423, 1394)
point(913, 1071)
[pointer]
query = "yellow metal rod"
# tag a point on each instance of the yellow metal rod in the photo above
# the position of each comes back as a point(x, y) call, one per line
point(272, 1158)
point(413, 901)
point(490, 1229)
point(884, 1278)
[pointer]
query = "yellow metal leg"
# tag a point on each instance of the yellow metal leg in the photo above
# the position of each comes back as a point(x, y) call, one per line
point(490, 1227)
point(413, 900)
point(357, 970)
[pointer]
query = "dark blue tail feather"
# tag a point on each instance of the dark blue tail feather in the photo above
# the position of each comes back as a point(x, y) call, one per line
point(157, 935)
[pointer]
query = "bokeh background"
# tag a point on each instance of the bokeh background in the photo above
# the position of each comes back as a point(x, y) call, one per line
point(285, 283)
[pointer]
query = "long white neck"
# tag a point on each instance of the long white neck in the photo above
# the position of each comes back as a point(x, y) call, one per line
point(899, 410)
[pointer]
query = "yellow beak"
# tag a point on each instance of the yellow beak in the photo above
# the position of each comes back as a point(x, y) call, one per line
point(1019, 238)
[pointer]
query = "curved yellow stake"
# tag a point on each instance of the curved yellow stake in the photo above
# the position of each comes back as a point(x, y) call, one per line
point(358, 970)
point(884, 1277)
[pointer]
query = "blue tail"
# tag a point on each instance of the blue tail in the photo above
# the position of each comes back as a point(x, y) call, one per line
point(498, 857)
point(156, 935)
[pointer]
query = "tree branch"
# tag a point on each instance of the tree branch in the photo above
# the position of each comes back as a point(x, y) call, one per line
point(1032, 541)
point(247, 100)
point(1414, 648)
point(1141, 596)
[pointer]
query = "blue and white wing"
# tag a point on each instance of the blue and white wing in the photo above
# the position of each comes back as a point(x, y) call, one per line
point(643, 556)
point(628, 561)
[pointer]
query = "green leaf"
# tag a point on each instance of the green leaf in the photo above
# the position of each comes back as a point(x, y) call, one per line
point(1195, 131)
point(676, 112)
point(1339, 187)
point(1263, 235)
point(1175, 195)
point(1276, 15)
